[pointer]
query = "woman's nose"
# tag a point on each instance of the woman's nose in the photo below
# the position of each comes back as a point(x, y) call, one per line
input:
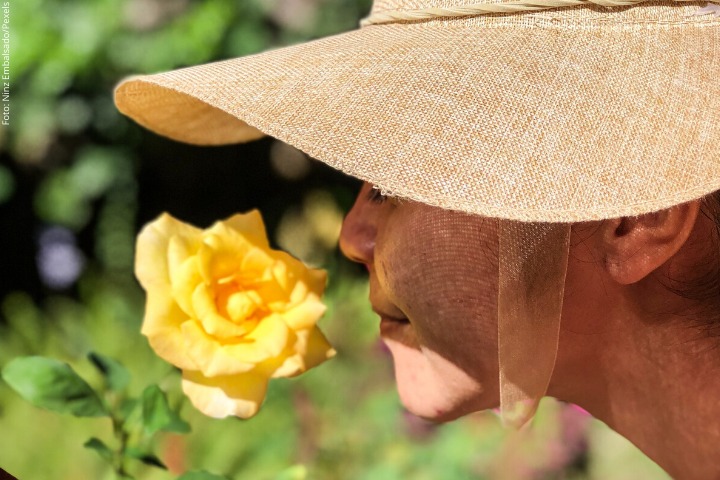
point(359, 229)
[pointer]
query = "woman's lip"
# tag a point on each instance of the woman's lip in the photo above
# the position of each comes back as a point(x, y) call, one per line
point(390, 326)
point(390, 318)
point(399, 321)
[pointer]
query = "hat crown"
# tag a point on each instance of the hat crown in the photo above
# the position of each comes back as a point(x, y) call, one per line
point(385, 5)
point(623, 13)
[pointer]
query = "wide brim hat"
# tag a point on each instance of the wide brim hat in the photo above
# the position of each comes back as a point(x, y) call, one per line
point(558, 115)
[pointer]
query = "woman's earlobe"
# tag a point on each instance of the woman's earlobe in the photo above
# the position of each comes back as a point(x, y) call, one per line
point(634, 247)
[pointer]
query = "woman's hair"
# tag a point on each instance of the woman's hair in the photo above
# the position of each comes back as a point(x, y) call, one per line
point(704, 288)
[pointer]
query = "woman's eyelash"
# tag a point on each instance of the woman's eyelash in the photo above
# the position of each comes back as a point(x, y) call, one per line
point(376, 196)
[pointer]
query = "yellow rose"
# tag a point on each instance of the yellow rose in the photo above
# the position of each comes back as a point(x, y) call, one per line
point(228, 310)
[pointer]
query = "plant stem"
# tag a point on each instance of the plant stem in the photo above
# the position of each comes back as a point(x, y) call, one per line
point(122, 437)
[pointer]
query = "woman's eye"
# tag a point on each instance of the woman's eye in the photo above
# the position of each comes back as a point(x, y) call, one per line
point(376, 196)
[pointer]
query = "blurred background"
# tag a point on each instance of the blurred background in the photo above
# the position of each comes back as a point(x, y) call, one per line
point(77, 181)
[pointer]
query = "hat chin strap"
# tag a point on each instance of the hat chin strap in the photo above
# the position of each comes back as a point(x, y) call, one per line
point(532, 267)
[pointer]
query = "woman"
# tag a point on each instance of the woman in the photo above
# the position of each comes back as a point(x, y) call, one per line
point(638, 340)
point(549, 221)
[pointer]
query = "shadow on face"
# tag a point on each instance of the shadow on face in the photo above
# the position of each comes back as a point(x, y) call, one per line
point(433, 281)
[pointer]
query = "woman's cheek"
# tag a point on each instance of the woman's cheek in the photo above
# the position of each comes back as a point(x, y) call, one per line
point(440, 269)
point(450, 313)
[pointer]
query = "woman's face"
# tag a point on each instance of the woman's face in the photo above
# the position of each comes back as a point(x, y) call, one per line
point(433, 283)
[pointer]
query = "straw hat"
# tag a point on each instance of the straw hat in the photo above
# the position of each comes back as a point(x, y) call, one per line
point(559, 114)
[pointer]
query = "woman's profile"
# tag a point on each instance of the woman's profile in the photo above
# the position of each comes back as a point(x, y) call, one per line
point(539, 214)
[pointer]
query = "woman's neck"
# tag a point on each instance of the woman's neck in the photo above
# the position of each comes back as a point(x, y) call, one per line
point(652, 378)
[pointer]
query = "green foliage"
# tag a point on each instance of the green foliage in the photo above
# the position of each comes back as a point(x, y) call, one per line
point(55, 386)
point(145, 457)
point(99, 446)
point(66, 196)
point(47, 383)
point(201, 475)
point(157, 415)
point(116, 375)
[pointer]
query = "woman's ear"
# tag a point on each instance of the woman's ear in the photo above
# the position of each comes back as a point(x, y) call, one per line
point(634, 247)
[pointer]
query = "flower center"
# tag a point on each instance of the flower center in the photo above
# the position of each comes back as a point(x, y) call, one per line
point(237, 304)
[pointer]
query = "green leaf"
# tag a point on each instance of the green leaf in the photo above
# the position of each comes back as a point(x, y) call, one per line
point(201, 475)
point(53, 385)
point(145, 457)
point(157, 415)
point(116, 375)
point(131, 415)
point(129, 410)
point(100, 447)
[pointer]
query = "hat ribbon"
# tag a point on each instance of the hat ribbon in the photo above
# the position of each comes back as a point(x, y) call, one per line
point(515, 6)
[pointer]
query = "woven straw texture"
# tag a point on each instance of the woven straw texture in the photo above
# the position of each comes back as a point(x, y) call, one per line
point(566, 115)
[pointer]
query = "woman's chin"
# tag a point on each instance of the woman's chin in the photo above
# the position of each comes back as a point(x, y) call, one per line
point(427, 404)
point(433, 413)
point(432, 390)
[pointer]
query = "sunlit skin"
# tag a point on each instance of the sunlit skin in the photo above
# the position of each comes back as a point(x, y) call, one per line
point(630, 349)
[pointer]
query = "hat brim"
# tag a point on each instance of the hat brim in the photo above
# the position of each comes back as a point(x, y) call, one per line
point(533, 123)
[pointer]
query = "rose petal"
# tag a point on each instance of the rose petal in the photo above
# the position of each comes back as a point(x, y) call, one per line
point(291, 366)
point(250, 225)
point(210, 356)
point(306, 314)
point(316, 281)
point(254, 266)
point(240, 306)
point(282, 276)
point(221, 254)
point(272, 334)
point(298, 292)
point(180, 249)
point(288, 363)
point(272, 293)
point(287, 270)
point(267, 340)
point(220, 397)
point(185, 278)
point(215, 324)
point(162, 327)
point(151, 267)
point(311, 349)
point(317, 349)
